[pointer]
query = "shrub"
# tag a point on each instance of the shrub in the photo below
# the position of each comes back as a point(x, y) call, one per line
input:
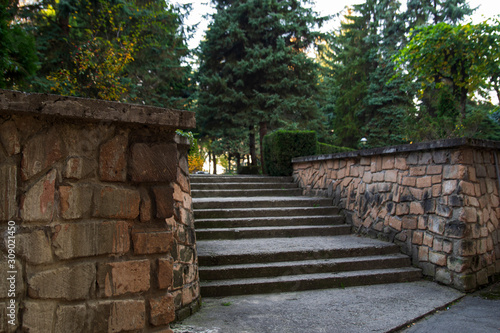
point(324, 148)
point(281, 146)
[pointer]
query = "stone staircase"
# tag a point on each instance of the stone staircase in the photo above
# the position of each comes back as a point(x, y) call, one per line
point(259, 235)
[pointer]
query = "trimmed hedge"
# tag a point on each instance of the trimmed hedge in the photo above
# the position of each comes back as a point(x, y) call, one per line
point(324, 148)
point(281, 146)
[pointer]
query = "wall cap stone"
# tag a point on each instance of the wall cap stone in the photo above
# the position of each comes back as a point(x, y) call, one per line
point(420, 146)
point(94, 110)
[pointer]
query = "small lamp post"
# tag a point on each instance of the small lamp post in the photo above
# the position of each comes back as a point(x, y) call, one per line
point(363, 142)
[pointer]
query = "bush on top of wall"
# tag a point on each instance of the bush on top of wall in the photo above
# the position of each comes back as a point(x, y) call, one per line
point(281, 146)
point(324, 148)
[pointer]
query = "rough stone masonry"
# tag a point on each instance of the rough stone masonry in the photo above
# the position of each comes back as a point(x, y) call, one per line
point(96, 215)
point(438, 200)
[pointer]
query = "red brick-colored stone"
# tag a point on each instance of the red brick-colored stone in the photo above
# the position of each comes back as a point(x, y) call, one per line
point(409, 222)
point(423, 253)
point(38, 203)
point(437, 258)
point(152, 241)
point(409, 181)
point(418, 237)
point(417, 171)
point(119, 278)
point(424, 182)
point(162, 310)
point(155, 163)
point(113, 159)
point(164, 201)
point(75, 201)
point(165, 272)
point(41, 152)
point(395, 222)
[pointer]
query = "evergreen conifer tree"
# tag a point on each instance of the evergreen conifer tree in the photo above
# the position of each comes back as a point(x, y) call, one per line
point(253, 69)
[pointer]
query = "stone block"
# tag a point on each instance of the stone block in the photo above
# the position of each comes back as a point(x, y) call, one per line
point(455, 229)
point(87, 239)
point(38, 317)
point(165, 272)
point(468, 214)
point(424, 182)
point(116, 202)
point(400, 163)
point(409, 181)
point(75, 201)
point(146, 207)
point(71, 318)
point(482, 277)
point(186, 200)
point(162, 310)
point(391, 176)
point(119, 278)
point(454, 172)
point(151, 241)
point(70, 283)
point(418, 237)
point(41, 152)
point(8, 192)
point(417, 171)
point(409, 222)
point(164, 198)
point(449, 186)
point(183, 181)
point(443, 276)
point(79, 167)
point(120, 315)
point(38, 202)
point(113, 159)
point(423, 253)
point(34, 247)
point(437, 258)
point(434, 169)
point(9, 137)
point(388, 162)
point(437, 224)
point(155, 163)
point(395, 223)
point(416, 208)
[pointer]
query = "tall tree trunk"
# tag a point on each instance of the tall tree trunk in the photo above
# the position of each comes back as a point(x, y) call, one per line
point(251, 137)
point(238, 162)
point(214, 161)
point(262, 134)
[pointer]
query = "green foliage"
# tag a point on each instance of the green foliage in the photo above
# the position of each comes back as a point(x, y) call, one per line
point(253, 69)
point(18, 58)
point(324, 148)
point(281, 146)
point(126, 50)
point(249, 170)
point(455, 56)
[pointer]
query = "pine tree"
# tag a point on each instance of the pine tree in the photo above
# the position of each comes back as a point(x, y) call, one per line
point(253, 69)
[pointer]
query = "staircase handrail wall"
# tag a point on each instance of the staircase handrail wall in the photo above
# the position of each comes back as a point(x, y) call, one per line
point(438, 200)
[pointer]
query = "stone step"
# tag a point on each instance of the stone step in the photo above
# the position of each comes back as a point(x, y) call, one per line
point(268, 221)
point(260, 202)
point(271, 232)
point(264, 212)
point(246, 193)
point(308, 281)
point(242, 186)
point(198, 179)
point(227, 272)
point(265, 250)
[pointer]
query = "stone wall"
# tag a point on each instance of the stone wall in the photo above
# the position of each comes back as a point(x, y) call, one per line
point(96, 216)
point(439, 201)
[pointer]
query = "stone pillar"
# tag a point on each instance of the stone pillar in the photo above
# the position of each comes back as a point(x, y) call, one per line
point(95, 209)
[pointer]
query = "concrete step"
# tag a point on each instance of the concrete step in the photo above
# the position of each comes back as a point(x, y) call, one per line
point(226, 272)
point(269, 221)
point(272, 232)
point(246, 193)
point(308, 281)
point(198, 179)
point(242, 186)
point(265, 250)
point(260, 202)
point(264, 212)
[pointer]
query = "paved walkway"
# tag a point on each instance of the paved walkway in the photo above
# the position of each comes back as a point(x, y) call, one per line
point(378, 308)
